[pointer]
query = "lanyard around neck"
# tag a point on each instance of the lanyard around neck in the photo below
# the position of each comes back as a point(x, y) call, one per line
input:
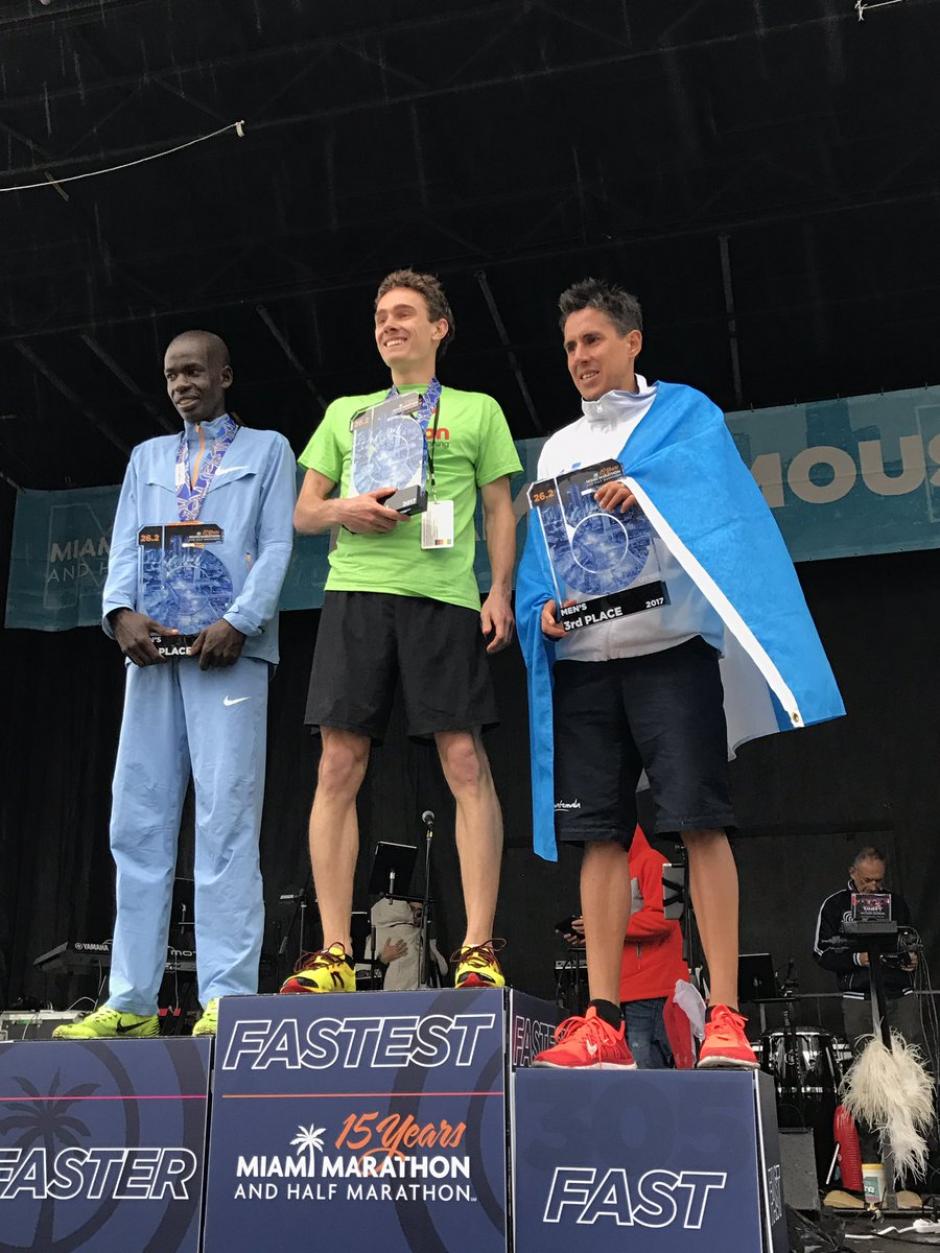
point(430, 404)
point(190, 496)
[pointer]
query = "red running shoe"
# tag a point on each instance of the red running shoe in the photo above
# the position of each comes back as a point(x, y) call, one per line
point(587, 1043)
point(725, 1044)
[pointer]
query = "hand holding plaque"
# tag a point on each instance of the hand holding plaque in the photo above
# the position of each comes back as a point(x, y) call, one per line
point(134, 633)
point(615, 497)
point(367, 515)
point(600, 549)
point(183, 583)
point(549, 622)
point(389, 447)
point(218, 645)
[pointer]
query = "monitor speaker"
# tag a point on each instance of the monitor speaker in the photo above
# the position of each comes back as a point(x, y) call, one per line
point(798, 1163)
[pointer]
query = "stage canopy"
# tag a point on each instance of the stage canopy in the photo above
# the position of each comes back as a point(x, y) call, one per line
point(762, 175)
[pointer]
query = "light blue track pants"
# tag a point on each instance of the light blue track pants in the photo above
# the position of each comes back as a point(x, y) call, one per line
point(179, 718)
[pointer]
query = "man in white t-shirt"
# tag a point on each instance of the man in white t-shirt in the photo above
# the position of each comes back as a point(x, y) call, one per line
point(634, 693)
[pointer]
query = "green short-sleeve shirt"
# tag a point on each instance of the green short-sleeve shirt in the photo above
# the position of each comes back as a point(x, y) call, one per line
point(472, 447)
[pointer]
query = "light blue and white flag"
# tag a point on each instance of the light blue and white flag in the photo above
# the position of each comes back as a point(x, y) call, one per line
point(682, 465)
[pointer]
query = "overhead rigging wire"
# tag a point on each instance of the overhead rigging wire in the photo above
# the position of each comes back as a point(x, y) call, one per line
point(51, 181)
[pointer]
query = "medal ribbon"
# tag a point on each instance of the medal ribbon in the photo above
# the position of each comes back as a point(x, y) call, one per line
point(189, 497)
point(430, 402)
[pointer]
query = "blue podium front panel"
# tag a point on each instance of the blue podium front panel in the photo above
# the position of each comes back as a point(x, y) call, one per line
point(532, 1024)
point(648, 1161)
point(102, 1145)
point(373, 1120)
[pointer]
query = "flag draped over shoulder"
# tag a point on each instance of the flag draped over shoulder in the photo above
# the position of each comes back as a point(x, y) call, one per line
point(688, 478)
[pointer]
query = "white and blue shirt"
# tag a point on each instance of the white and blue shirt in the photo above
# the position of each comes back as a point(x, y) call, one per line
point(601, 433)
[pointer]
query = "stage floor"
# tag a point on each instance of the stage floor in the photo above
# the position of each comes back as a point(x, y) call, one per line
point(862, 1231)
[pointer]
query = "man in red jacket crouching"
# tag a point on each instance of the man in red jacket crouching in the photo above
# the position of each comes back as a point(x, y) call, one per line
point(657, 1029)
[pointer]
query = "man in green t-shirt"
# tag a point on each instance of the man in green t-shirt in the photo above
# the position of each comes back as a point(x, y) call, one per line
point(402, 603)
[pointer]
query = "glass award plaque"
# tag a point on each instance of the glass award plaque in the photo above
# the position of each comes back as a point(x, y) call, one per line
point(184, 586)
point(604, 565)
point(389, 450)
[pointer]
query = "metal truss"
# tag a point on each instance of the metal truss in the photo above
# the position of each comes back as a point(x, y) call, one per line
point(493, 48)
point(389, 50)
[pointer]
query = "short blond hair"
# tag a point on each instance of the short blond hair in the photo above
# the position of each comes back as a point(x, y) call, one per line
point(428, 286)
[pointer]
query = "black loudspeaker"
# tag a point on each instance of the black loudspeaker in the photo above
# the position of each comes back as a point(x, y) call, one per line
point(798, 1162)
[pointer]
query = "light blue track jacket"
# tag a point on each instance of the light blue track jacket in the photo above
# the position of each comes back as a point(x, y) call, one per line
point(251, 498)
point(688, 478)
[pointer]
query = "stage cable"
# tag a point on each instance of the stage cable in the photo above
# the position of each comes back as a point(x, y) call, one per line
point(57, 183)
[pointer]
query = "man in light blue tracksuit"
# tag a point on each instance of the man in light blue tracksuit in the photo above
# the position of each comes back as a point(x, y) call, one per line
point(200, 548)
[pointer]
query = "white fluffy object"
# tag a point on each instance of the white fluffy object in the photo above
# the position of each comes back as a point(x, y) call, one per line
point(891, 1091)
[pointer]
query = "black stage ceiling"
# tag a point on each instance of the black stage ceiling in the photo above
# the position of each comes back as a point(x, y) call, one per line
point(763, 174)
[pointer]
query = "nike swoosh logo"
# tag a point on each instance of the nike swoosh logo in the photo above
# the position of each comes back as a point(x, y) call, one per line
point(591, 1047)
point(123, 1029)
point(228, 470)
point(227, 701)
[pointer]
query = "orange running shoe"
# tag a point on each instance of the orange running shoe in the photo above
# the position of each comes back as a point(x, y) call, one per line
point(587, 1043)
point(328, 970)
point(725, 1044)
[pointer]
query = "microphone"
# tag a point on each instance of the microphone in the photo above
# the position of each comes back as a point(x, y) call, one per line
point(428, 817)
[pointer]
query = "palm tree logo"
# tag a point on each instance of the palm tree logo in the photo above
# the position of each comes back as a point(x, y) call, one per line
point(45, 1120)
point(308, 1140)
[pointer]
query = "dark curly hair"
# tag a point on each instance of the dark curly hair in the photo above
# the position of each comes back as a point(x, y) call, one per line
point(621, 307)
point(428, 286)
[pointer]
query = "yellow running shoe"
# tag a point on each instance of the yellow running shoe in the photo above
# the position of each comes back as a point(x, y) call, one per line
point(110, 1024)
point(328, 970)
point(208, 1024)
point(477, 966)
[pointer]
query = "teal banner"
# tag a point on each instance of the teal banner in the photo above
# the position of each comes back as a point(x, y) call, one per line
point(844, 478)
point(849, 478)
point(61, 542)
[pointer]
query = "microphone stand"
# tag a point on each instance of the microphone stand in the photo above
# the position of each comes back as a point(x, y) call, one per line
point(299, 914)
point(690, 950)
point(680, 859)
point(428, 819)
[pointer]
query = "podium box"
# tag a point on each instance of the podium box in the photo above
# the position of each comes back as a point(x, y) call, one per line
point(654, 1161)
point(377, 1119)
point(102, 1144)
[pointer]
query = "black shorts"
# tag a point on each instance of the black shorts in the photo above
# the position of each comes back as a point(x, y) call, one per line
point(662, 713)
point(368, 640)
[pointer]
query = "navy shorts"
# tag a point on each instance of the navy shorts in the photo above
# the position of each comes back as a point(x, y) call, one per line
point(368, 641)
point(662, 713)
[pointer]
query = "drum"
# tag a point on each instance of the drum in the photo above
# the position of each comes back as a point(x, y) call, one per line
point(806, 1074)
point(842, 1051)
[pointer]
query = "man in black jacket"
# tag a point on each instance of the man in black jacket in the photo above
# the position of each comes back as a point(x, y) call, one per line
point(867, 874)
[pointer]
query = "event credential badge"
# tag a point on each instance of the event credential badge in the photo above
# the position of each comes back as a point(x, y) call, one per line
point(604, 565)
point(184, 586)
point(388, 450)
